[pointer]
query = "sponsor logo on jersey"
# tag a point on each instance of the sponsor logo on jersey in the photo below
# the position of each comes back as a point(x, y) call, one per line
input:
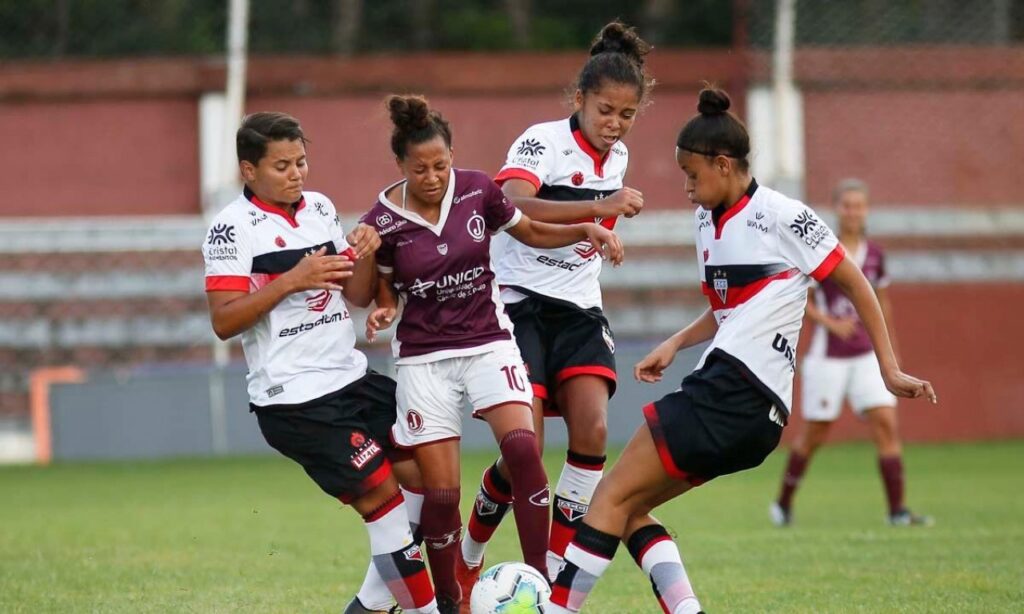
point(577, 178)
point(384, 219)
point(221, 234)
point(782, 345)
point(541, 498)
point(455, 279)
point(530, 147)
point(721, 284)
point(340, 316)
point(321, 208)
point(222, 252)
point(808, 228)
point(319, 301)
point(365, 454)
point(257, 217)
point(476, 227)
point(572, 510)
point(273, 391)
point(704, 221)
point(757, 226)
point(356, 440)
point(559, 264)
point(414, 421)
point(566, 152)
point(759, 215)
point(467, 196)
point(419, 287)
point(442, 249)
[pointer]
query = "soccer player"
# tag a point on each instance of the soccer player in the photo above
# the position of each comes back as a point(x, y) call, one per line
point(564, 171)
point(279, 270)
point(453, 340)
point(758, 252)
point(841, 366)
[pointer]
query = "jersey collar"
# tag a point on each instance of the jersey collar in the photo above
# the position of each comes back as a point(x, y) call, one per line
point(720, 215)
point(446, 206)
point(584, 144)
point(255, 200)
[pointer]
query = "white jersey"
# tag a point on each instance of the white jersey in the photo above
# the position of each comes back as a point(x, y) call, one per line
point(563, 166)
point(304, 348)
point(757, 260)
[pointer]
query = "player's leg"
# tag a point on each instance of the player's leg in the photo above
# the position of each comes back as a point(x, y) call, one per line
point(657, 554)
point(824, 384)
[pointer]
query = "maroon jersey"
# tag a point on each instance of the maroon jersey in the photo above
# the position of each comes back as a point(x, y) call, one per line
point(831, 300)
point(443, 271)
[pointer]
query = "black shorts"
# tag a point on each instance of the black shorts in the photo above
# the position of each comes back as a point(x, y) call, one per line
point(717, 423)
point(559, 340)
point(341, 439)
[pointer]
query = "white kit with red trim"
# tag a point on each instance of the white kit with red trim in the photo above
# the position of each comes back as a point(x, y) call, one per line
point(757, 259)
point(304, 348)
point(563, 166)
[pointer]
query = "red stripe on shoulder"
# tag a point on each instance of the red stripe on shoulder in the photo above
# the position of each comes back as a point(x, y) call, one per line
point(517, 173)
point(830, 263)
point(227, 283)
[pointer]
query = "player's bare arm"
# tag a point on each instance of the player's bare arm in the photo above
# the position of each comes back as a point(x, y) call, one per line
point(361, 287)
point(885, 302)
point(387, 307)
point(626, 202)
point(546, 236)
point(232, 313)
point(650, 369)
point(856, 287)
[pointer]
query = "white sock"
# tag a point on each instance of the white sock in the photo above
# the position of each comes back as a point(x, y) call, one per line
point(663, 565)
point(572, 497)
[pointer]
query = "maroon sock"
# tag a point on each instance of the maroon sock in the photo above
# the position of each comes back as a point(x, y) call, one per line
point(791, 479)
point(530, 496)
point(891, 468)
point(442, 526)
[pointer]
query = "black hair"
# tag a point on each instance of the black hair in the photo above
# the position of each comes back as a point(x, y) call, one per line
point(616, 54)
point(258, 129)
point(415, 122)
point(715, 131)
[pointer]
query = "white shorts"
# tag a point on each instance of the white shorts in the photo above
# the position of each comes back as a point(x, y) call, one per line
point(827, 382)
point(431, 395)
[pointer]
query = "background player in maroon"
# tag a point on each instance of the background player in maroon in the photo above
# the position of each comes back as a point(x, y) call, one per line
point(278, 272)
point(759, 250)
point(840, 366)
point(453, 341)
point(562, 172)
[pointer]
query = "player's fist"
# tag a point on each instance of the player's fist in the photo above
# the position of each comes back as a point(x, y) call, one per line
point(650, 369)
point(626, 202)
point(908, 386)
point(607, 242)
point(318, 271)
point(379, 319)
point(364, 240)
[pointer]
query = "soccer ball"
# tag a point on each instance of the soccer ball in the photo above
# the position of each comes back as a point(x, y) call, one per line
point(510, 588)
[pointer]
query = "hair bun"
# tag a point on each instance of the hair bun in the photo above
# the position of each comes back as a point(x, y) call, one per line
point(617, 37)
point(408, 112)
point(713, 101)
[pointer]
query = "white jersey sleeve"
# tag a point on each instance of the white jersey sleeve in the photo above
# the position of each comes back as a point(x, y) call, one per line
point(531, 158)
point(227, 253)
point(806, 241)
point(341, 244)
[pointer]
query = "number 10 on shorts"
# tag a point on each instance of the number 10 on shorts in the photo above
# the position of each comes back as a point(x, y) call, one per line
point(514, 379)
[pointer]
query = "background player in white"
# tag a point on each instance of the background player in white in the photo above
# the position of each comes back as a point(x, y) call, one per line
point(561, 172)
point(840, 365)
point(278, 272)
point(453, 341)
point(758, 252)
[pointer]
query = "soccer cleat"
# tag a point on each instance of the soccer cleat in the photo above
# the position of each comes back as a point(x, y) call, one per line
point(781, 517)
point(447, 605)
point(467, 577)
point(906, 518)
point(356, 607)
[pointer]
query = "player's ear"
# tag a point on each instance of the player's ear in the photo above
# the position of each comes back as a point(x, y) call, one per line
point(723, 165)
point(577, 101)
point(248, 170)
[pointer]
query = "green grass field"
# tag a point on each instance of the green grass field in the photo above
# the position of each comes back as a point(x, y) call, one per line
point(255, 535)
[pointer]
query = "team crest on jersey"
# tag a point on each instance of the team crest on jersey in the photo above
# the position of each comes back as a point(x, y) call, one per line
point(357, 439)
point(279, 241)
point(577, 178)
point(707, 254)
point(414, 420)
point(476, 227)
point(442, 249)
point(721, 284)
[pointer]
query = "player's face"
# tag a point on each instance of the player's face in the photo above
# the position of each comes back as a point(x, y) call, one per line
point(280, 174)
point(852, 210)
point(606, 115)
point(707, 182)
point(426, 168)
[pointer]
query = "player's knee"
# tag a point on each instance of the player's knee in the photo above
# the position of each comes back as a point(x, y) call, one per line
point(589, 437)
point(519, 448)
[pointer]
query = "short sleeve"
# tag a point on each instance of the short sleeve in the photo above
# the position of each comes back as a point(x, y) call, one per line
point(806, 241)
point(499, 213)
point(379, 219)
point(336, 230)
point(531, 158)
point(228, 256)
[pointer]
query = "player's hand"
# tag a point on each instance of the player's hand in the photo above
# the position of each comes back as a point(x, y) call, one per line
point(379, 319)
point(364, 239)
point(844, 328)
point(908, 386)
point(606, 241)
point(650, 369)
point(318, 271)
point(626, 202)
